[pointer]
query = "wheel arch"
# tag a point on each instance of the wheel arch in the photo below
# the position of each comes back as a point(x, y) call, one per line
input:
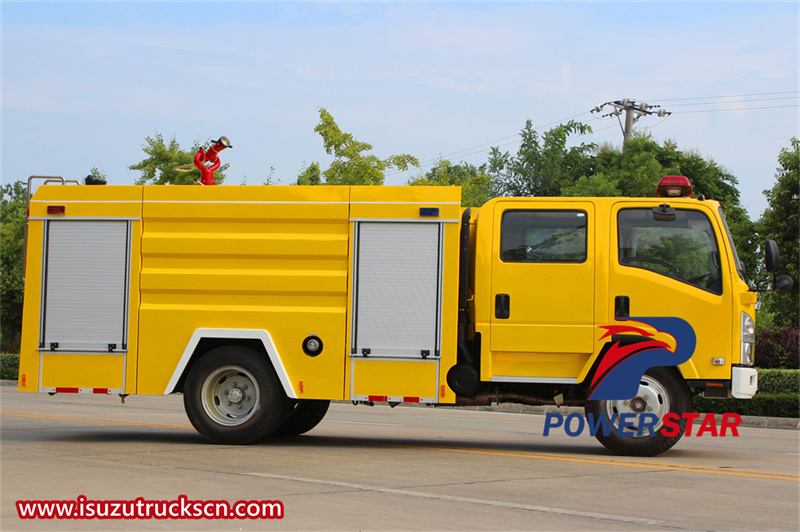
point(205, 339)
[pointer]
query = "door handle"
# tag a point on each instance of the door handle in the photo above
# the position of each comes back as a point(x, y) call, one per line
point(622, 307)
point(502, 306)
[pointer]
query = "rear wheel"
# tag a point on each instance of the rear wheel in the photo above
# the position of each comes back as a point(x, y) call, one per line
point(302, 417)
point(233, 396)
point(661, 390)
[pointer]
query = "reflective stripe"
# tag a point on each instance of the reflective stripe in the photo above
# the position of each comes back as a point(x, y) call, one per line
point(394, 399)
point(64, 389)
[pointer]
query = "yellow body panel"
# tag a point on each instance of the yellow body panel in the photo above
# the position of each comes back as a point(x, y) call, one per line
point(29, 355)
point(82, 371)
point(73, 370)
point(404, 203)
point(271, 258)
point(88, 201)
point(545, 365)
point(394, 378)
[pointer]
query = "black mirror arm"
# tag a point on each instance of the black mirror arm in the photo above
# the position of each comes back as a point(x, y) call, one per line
point(783, 283)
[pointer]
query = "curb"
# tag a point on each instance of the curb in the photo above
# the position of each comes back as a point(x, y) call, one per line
point(784, 423)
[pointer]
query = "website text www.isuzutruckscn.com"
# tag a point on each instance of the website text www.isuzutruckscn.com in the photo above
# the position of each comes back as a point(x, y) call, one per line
point(139, 508)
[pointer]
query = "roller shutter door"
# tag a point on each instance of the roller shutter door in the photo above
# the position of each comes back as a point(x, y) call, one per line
point(398, 283)
point(85, 292)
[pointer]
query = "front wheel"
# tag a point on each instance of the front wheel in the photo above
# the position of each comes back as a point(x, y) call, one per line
point(661, 390)
point(233, 396)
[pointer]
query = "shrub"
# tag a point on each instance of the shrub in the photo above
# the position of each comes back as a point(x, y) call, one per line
point(778, 348)
point(767, 404)
point(779, 381)
point(9, 366)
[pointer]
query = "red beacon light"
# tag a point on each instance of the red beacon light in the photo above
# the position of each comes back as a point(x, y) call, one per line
point(674, 186)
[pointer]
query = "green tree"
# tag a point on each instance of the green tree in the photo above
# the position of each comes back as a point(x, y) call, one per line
point(12, 228)
point(310, 175)
point(158, 168)
point(543, 165)
point(781, 223)
point(636, 172)
point(351, 165)
point(476, 188)
point(596, 185)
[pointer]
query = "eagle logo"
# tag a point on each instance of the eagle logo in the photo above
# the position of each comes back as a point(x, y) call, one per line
point(665, 341)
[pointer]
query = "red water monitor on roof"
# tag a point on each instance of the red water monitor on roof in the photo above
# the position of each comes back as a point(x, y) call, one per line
point(210, 156)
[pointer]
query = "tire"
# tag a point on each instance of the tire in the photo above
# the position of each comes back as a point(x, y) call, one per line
point(661, 390)
point(233, 396)
point(302, 417)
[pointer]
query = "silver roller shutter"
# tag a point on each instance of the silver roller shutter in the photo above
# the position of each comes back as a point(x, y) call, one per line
point(86, 285)
point(398, 285)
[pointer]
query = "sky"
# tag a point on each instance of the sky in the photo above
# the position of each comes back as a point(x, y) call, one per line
point(83, 84)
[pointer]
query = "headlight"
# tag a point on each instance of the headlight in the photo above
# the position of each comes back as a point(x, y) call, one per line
point(748, 340)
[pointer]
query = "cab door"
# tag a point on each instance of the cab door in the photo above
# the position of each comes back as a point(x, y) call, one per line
point(542, 290)
point(673, 266)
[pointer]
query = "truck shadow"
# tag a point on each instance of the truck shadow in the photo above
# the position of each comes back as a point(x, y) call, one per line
point(439, 444)
point(146, 435)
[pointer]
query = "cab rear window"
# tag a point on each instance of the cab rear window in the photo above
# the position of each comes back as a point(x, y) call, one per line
point(543, 236)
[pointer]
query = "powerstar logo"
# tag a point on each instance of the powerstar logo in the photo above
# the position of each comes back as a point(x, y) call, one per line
point(620, 371)
point(659, 341)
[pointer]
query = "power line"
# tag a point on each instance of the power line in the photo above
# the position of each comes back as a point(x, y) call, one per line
point(736, 109)
point(718, 97)
point(652, 127)
point(735, 101)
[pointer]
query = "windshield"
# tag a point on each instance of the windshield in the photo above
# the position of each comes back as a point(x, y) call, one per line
point(739, 263)
point(684, 248)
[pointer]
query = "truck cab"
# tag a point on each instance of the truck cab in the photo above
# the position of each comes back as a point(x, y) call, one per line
point(624, 305)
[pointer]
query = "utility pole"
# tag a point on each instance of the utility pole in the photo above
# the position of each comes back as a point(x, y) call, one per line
point(633, 112)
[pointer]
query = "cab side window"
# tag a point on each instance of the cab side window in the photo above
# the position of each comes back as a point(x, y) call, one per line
point(543, 236)
point(684, 248)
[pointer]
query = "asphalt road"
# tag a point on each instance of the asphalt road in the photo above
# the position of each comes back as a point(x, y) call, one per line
point(378, 468)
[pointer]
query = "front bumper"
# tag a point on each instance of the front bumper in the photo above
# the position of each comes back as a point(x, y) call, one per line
point(744, 382)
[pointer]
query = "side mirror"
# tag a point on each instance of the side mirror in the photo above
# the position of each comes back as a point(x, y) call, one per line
point(772, 256)
point(784, 282)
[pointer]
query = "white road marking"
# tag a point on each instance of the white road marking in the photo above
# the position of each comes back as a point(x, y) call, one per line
point(363, 423)
point(470, 500)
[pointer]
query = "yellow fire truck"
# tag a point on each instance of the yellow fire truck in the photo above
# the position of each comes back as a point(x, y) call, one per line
point(262, 304)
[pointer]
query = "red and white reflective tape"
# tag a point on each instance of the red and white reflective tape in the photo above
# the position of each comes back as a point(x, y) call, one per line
point(99, 391)
point(393, 399)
